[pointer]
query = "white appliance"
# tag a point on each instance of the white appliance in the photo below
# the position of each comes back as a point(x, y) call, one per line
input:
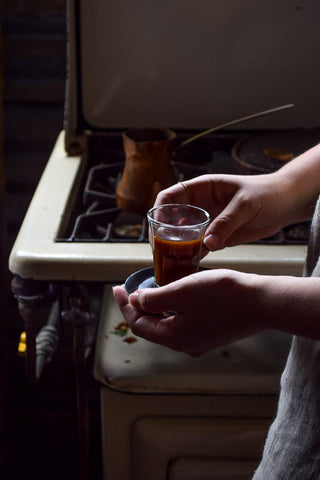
point(187, 67)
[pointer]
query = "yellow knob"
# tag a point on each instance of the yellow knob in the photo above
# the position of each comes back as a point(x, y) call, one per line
point(22, 347)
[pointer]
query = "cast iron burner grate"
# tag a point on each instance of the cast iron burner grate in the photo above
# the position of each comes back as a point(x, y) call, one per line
point(102, 220)
point(96, 217)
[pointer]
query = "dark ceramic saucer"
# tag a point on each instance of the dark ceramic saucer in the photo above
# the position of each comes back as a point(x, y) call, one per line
point(141, 279)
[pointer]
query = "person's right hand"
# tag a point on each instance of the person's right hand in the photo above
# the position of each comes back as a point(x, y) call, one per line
point(242, 208)
point(245, 208)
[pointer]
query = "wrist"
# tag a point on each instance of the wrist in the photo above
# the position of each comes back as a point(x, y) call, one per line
point(289, 304)
point(299, 184)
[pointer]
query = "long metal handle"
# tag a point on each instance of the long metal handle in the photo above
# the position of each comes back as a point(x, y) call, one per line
point(234, 122)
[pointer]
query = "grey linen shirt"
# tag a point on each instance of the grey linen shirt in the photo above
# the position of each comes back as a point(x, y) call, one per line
point(292, 448)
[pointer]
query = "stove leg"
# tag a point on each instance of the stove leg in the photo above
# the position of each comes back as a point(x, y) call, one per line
point(40, 309)
point(80, 319)
point(82, 402)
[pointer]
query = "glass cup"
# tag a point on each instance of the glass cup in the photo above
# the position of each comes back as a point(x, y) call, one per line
point(176, 234)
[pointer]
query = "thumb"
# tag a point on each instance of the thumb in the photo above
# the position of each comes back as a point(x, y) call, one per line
point(225, 224)
point(157, 300)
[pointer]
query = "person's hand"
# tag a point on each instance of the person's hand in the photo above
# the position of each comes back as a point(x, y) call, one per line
point(212, 308)
point(243, 208)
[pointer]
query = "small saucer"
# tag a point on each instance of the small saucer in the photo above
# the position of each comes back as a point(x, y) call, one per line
point(141, 279)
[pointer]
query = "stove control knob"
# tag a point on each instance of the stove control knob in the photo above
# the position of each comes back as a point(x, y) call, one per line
point(22, 346)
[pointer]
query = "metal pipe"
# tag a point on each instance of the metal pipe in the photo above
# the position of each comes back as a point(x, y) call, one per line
point(47, 340)
point(80, 318)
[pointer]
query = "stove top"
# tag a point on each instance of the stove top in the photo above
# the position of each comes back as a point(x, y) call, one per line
point(95, 216)
point(73, 229)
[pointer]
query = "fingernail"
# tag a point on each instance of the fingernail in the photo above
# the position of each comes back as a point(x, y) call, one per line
point(134, 299)
point(212, 241)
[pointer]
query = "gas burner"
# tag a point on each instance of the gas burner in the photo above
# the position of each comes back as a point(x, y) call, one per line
point(97, 218)
point(101, 183)
point(268, 151)
point(110, 225)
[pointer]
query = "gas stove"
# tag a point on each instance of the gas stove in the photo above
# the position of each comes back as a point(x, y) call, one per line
point(73, 230)
point(186, 71)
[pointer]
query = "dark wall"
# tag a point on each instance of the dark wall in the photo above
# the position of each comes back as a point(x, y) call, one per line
point(34, 65)
point(34, 43)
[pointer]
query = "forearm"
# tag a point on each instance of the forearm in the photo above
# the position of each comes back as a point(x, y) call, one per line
point(299, 181)
point(217, 307)
point(288, 304)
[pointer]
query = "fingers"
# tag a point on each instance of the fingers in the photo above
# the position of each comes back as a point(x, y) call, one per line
point(195, 192)
point(120, 295)
point(154, 328)
point(230, 200)
point(175, 194)
point(129, 313)
point(202, 191)
point(219, 231)
point(235, 215)
point(157, 300)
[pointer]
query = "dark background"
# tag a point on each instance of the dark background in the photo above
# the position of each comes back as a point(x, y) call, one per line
point(38, 423)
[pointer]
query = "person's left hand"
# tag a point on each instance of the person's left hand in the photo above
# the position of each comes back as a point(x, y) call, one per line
point(211, 309)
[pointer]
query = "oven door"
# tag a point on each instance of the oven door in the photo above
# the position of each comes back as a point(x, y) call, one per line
point(168, 415)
